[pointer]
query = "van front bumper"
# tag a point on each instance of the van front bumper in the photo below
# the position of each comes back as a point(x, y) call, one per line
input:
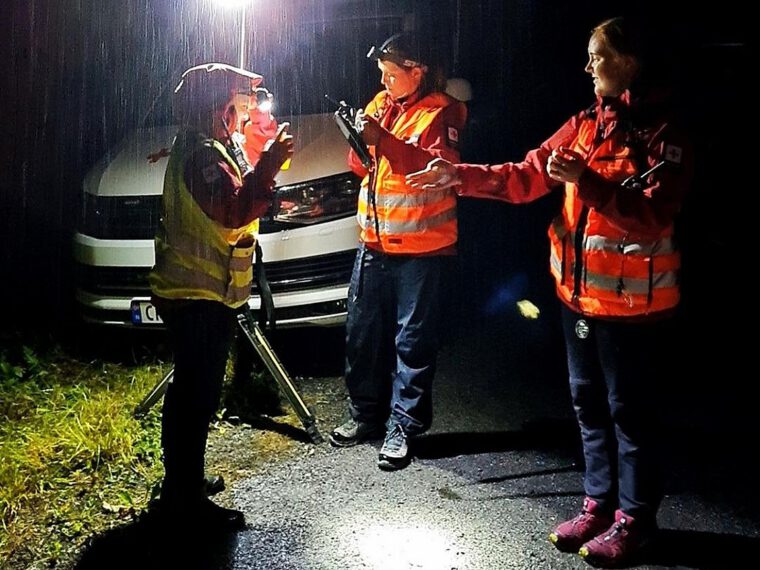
point(307, 290)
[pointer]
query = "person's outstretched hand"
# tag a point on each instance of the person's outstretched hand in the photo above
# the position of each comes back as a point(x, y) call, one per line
point(438, 174)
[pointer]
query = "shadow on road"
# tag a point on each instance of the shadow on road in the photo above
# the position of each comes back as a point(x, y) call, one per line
point(144, 545)
point(535, 435)
point(702, 550)
point(265, 423)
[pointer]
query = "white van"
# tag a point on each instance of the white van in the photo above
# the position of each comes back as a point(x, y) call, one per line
point(304, 50)
point(308, 238)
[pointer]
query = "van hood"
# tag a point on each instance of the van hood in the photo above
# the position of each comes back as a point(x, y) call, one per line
point(320, 151)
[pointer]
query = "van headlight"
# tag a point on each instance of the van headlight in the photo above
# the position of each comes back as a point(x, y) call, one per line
point(317, 201)
point(119, 217)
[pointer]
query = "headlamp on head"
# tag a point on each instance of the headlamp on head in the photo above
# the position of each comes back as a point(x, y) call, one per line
point(263, 98)
point(394, 50)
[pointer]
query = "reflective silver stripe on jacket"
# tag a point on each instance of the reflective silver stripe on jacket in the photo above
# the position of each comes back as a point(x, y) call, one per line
point(404, 199)
point(663, 246)
point(414, 226)
point(632, 285)
point(555, 263)
point(413, 199)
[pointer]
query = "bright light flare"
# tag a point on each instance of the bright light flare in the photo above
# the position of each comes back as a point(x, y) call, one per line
point(240, 5)
point(233, 4)
point(388, 546)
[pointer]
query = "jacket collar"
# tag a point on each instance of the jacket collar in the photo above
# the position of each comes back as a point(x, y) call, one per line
point(638, 106)
point(404, 103)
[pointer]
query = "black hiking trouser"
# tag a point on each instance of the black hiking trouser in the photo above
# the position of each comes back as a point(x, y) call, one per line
point(200, 333)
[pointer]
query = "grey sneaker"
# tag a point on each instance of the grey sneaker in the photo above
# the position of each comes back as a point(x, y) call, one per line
point(395, 451)
point(353, 432)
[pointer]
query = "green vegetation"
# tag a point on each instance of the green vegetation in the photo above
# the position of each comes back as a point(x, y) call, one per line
point(74, 462)
point(72, 458)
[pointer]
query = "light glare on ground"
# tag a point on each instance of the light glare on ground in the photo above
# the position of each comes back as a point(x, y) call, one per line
point(391, 547)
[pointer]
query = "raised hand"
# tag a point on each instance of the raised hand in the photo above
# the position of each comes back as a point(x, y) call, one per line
point(371, 130)
point(565, 165)
point(279, 149)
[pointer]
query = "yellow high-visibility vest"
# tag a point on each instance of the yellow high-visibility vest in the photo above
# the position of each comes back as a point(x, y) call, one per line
point(197, 257)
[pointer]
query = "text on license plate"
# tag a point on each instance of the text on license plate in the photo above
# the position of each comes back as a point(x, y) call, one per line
point(144, 313)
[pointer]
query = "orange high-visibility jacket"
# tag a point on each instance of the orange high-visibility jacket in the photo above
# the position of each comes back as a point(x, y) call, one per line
point(410, 221)
point(612, 248)
point(621, 272)
point(197, 257)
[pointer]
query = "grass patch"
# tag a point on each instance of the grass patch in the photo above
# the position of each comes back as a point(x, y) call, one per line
point(74, 463)
point(72, 458)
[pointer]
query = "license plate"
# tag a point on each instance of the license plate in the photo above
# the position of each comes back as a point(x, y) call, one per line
point(144, 313)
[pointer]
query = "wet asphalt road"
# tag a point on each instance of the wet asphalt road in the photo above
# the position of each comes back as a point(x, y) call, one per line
point(497, 470)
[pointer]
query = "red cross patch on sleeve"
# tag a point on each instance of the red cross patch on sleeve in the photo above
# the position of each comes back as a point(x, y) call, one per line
point(452, 135)
point(673, 153)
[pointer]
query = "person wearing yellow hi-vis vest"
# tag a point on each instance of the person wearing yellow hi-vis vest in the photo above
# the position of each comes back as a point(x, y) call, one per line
point(204, 269)
point(407, 235)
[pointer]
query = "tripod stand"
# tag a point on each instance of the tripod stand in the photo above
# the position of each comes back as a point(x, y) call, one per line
point(256, 337)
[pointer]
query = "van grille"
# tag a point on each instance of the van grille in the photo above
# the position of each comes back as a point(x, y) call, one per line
point(309, 272)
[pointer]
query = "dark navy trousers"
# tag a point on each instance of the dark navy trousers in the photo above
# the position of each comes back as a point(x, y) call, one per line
point(613, 387)
point(392, 338)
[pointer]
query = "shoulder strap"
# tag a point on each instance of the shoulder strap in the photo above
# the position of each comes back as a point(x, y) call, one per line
point(266, 310)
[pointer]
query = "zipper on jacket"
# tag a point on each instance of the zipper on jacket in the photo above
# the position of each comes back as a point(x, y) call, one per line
point(372, 183)
point(580, 234)
point(621, 290)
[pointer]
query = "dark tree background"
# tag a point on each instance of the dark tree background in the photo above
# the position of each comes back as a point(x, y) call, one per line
point(78, 74)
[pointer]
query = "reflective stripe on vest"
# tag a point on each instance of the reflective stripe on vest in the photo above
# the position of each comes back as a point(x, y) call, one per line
point(622, 274)
point(429, 223)
point(199, 284)
point(409, 220)
point(196, 257)
point(663, 246)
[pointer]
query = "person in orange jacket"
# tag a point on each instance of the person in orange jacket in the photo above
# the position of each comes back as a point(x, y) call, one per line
point(257, 125)
point(393, 301)
point(625, 169)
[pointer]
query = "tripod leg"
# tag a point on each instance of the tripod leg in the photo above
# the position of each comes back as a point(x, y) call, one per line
point(264, 349)
point(154, 395)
